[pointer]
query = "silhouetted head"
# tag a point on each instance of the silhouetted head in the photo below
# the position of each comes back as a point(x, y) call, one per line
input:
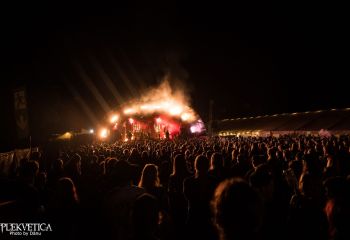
point(311, 164)
point(262, 176)
point(179, 165)
point(66, 194)
point(262, 181)
point(309, 185)
point(57, 165)
point(216, 161)
point(74, 165)
point(201, 165)
point(271, 153)
point(144, 156)
point(208, 154)
point(237, 210)
point(149, 178)
point(297, 167)
point(126, 153)
point(123, 172)
point(134, 153)
point(110, 164)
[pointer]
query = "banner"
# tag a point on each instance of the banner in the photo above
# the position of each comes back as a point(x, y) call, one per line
point(10, 160)
point(6, 160)
point(21, 113)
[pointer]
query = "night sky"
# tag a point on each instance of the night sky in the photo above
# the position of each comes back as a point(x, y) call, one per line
point(251, 59)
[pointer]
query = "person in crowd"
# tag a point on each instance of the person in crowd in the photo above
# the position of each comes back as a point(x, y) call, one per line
point(237, 210)
point(73, 168)
point(217, 169)
point(150, 182)
point(55, 173)
point(118, 201)
point(145, 218)
point(198, 191)
point(25, 192)
point(307, 219)
point(177, 201)
point(63, 210)
point(337, 207)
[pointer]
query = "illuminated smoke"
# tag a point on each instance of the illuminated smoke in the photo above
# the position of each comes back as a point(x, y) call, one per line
point(162, 99)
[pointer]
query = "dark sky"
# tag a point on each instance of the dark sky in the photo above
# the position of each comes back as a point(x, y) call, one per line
point(251, 59)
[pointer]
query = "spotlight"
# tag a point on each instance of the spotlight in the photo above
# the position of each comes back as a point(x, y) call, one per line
point(114, 118)
point(193, 129)
point(103, 133)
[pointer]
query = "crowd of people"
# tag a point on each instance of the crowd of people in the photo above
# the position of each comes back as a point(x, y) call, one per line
point(290, 187)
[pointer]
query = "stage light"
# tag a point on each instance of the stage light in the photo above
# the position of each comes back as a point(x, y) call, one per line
point(114, 118)
point(197, 127)
point(193, 129)
point(185, 116)
point(175, 110)
point(129, 111)
point(103, 133)
point(91, 131)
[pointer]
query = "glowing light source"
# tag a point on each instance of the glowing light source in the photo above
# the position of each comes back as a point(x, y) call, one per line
point(114, 118)
point(131, 121)
point(129, 111)
point(91, 131)
point(65, 136)
point(103, 133)
point(145, 107)
point(158, 120)
point(176, 110)
point(195, 129)
point(198, 127)
point(185, 116)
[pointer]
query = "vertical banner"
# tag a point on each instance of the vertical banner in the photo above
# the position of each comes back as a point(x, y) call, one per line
point(21, 112)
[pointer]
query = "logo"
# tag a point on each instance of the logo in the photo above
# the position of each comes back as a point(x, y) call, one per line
point(25, 229)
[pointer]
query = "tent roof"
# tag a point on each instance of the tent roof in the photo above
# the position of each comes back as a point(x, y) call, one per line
point(335, 119)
